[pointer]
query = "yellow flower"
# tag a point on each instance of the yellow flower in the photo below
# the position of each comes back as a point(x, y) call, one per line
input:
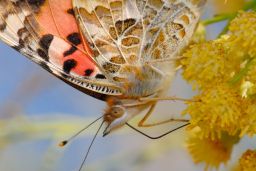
point(219, 109)
point(224, 73)
point(246, 88)
point(251, 75)
point(248, 161)
point(242, 28)
point(206, 63)
point(248, 120)
point(211, 152)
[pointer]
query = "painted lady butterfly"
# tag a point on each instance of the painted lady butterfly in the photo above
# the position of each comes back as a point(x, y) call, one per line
point(120, 51)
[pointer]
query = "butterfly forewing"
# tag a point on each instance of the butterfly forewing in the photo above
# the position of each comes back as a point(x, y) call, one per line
point(103, 46)
point(114, 30)
point(47, 32)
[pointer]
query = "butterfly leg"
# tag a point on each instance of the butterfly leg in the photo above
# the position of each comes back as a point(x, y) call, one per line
point(156, 137)
point(142, 124)
point(145, 118)
point(148, 114)
point(165, 99)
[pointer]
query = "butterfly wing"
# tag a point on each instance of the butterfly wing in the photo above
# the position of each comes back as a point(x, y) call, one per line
point(46, 32)
point(127, 33)
point(168, 27)
point(105, 24)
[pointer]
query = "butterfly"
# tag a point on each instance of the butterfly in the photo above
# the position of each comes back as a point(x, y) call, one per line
point(121, 51)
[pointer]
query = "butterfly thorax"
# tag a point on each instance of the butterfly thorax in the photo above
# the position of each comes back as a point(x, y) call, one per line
point(144, 81)
point(141, 81)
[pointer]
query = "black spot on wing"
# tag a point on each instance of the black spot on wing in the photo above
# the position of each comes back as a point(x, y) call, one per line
point(21, 43)
point(100, 76)
point(42, 54)
point(36, 2)
point(18, 48)
point(64, 75)
point(45, 66)
point(70, 51)
point(88, 72)
point(2, 27)
point(71, 12)
point(74, 38)
point(68, 65)
point(46, 41)
point(35, 5)
point(21, 31)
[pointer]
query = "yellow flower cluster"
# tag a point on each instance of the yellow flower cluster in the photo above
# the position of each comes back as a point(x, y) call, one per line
point(248, 161)
point(218, 111)
point(210, 151)
point(199, 34)
point(243, 29)
point(206, 63)
point(248, 121)
point(223, 71)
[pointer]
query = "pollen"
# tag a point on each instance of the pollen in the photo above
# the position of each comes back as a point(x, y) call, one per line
point(248, 161)
point(219, 110)
point(202, 67)
point(243, 29)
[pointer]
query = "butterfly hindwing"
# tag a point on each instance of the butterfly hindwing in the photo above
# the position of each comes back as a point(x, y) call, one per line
point(169, 28)
point(47, 33)
point(126, 34)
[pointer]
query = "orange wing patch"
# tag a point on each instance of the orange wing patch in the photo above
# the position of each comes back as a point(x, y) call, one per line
point(47, 33)
point(55, 17)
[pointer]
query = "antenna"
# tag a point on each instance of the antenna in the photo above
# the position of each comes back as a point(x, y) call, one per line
point(90, 146)
point(65, 142)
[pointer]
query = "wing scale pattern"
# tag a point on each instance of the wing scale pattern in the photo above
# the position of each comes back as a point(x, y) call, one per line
point(47, 33)
point(128, 34)
point(103, 46)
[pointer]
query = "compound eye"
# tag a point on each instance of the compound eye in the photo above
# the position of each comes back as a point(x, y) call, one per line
point(117, 111)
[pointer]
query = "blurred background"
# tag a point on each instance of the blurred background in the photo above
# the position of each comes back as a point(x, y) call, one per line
point(37, 111)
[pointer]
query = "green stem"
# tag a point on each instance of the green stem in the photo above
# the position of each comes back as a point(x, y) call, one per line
point(216, 19)
point(225, 29)
point(242, 72)
point(249, 6)
point(224, 17)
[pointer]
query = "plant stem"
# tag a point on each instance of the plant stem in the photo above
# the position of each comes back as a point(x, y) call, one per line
point(216, 19)
point(242, 72)
point(249, 6)
point(223, 17)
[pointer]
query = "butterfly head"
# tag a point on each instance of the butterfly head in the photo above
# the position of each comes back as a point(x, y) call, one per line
point(115, 116)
